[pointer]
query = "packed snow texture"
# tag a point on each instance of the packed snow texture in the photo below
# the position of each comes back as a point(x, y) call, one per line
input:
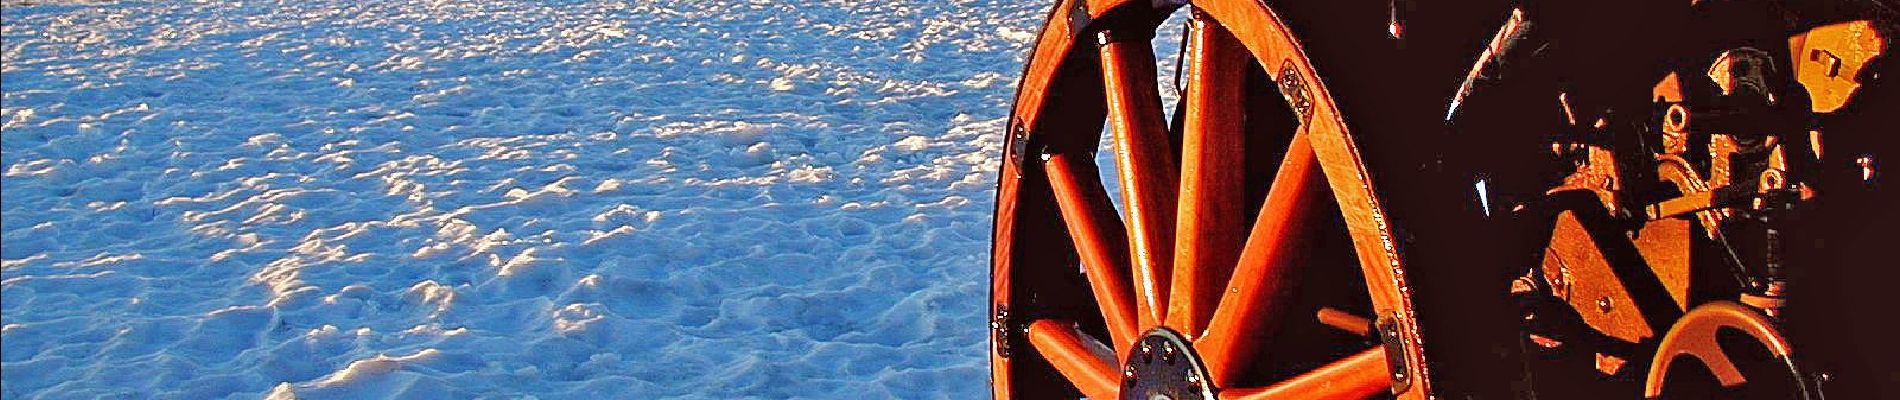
point(501, 199)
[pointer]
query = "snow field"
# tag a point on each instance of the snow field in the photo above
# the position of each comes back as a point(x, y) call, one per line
point(502, 199)
point(571, 199)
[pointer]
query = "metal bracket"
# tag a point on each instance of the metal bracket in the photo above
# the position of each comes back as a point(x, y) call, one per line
point(1079, 21)
point(1000, 326)
point(1294, 89)
point(1018, 144)
point(1116, 25)
point(1396, 363)
point(1168, 5)
point(1165, 366)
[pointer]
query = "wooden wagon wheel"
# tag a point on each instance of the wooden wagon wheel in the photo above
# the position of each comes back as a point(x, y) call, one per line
point(1187, 293)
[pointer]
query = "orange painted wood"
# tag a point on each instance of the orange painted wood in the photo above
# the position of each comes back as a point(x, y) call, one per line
point(1087, 363)
point(1053, 44)
point(1355, 377)
point(1146, 170)
point(1100, 241)
point(1002, 245)
point(1254, 297)
point(1269, 39)
point(1208, 231)
point(1344, 321)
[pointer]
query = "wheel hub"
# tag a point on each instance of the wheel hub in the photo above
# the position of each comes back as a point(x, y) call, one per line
point(1165, 367)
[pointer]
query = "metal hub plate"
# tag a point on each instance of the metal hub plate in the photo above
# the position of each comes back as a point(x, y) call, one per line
point(1165, 367)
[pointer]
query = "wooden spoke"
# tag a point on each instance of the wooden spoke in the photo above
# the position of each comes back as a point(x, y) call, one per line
point(1145, 167)
point(1252, 299)
point(1355, 377)
point(1099, 240)
point(1207, 237)
point(1087, 363)
point(1344, 321)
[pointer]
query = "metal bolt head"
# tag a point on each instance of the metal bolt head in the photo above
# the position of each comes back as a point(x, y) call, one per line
point(1866, 163)
point(1604, 305)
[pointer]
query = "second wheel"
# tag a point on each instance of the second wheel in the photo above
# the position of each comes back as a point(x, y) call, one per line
point(1249, 255)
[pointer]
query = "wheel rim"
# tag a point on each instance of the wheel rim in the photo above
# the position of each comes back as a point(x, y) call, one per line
point(1695, 337)
point(1175, 259)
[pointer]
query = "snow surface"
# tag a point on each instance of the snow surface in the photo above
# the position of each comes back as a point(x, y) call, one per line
point(501, 199)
